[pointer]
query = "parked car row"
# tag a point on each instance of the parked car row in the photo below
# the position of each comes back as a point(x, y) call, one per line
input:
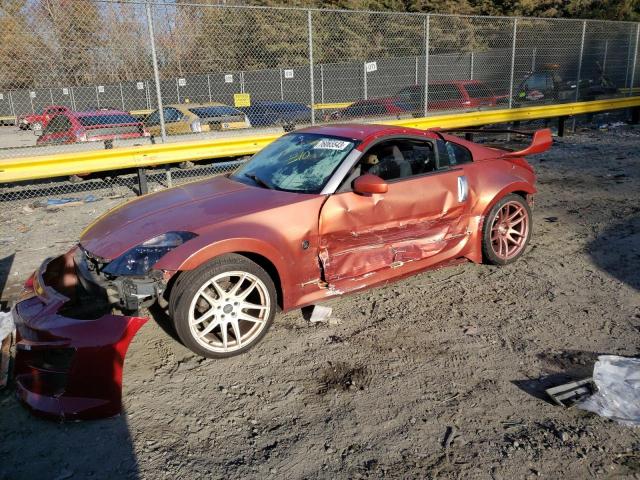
point(57, 124)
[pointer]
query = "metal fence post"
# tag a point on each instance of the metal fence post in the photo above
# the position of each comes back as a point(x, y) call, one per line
point(425, 26)
point(11, 105)
point(635, 61)
point(73, 98)
point(471, 66)
point(584, 31)
point(321, 83)
point(178, 89)
point(156, 73)
point(281, 85)
point(97, 97)
point(122, 96)
point(513, 61)
point(365, 79)
point(209, 87)
point(604, 59)
point(533, 59)
point(242, 82)
point(311, 86)
point(51, 96)
point(416, 81)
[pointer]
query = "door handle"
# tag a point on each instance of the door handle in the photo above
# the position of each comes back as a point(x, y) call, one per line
point(463, 188)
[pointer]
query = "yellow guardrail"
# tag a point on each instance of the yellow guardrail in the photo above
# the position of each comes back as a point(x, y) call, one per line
point(47, 166)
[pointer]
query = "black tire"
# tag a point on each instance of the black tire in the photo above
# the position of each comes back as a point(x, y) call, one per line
point(188, 286)
point(488, 251)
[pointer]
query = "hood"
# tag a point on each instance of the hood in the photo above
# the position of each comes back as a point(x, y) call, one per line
point(194, 207)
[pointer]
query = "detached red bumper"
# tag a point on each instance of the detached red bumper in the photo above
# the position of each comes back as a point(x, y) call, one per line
point(67, 368)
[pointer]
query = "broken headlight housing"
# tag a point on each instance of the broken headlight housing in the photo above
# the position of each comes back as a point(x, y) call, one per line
point(140, 259)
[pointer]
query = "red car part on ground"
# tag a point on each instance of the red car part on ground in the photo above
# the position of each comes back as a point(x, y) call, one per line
point(462, 201)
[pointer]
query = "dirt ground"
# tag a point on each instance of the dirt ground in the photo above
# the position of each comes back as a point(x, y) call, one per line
point(438, 376)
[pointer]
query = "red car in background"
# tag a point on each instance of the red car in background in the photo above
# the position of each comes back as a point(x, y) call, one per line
point(450, 95)
point(446, 95)
point(90, 126)
point(375, 107)
point(40, 120)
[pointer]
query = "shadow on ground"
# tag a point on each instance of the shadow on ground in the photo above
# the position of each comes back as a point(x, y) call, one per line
point(617, 251)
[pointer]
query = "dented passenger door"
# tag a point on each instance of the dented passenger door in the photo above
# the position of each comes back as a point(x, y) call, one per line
point(417, 218)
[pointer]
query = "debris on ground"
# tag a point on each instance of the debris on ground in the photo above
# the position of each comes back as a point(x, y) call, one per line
point(618, 396)
point(568, 394)
point(320, 314)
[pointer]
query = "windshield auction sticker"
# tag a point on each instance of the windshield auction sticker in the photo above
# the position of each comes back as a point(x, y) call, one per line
point(331, 144)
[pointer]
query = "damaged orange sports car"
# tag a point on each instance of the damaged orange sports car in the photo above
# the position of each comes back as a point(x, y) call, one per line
point(319, 212)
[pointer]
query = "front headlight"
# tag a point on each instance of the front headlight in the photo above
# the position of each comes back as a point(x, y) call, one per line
point(141, 258)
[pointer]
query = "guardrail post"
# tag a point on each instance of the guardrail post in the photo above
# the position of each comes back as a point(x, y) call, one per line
point(156, 72)
point(513, 61)
point(561, 121)
point(142, 182)
point(426, 25)
point(311, 86)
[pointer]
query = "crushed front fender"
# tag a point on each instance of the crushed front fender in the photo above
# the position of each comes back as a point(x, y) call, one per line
point(67, 368)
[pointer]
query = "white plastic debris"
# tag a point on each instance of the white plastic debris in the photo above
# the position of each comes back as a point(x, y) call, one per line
point(618, 395)
point(320, 314)
point(6, 324)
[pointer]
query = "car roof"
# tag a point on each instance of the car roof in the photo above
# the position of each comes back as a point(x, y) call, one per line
point(196, 105)
point(275, 104)
point(94, 113)
point(361, 131)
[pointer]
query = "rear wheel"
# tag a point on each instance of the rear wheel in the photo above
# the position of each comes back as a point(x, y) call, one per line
point(506, 230)
point(224, 307)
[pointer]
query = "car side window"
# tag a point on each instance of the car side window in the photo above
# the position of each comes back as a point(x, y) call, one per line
point(59, 123)
point(398, 159)
point(451, 154)
point(170, 115)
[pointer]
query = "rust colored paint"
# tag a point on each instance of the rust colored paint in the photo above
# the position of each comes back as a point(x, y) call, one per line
point(320, 245)
point(417, 218)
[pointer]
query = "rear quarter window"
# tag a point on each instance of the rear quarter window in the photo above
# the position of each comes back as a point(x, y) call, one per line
point(479, 91)
point(451, 154)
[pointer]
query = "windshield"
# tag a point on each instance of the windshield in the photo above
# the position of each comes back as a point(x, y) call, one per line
point(298, 162)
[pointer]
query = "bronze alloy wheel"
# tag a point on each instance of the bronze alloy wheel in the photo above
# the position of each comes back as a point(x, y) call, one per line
point(509, 230)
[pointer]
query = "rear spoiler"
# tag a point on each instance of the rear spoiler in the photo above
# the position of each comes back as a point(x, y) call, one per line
point(541, 142)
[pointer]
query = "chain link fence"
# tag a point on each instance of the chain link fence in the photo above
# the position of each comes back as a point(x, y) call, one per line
point(94, 74)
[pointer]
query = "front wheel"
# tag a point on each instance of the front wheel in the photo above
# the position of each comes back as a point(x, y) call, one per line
point(224, 307)
point(506, 231)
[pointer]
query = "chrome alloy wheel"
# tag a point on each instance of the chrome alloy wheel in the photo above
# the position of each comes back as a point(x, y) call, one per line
point(229, 311)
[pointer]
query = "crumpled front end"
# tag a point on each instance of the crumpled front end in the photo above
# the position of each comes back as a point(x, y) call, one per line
point(70, 349)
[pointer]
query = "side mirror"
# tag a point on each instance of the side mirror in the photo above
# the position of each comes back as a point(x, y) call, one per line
point(368, 184)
